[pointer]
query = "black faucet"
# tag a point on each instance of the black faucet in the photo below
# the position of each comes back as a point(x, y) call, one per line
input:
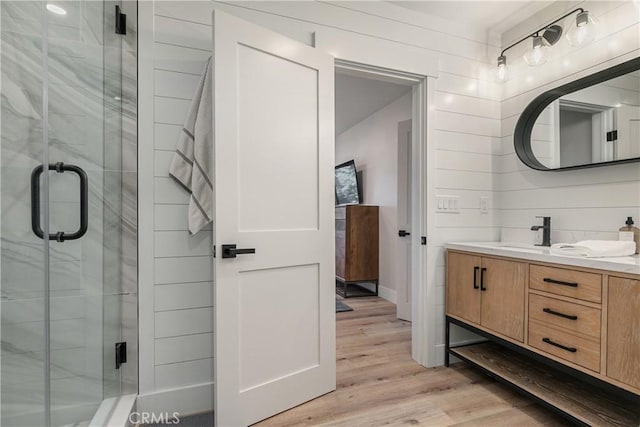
point(546, 230)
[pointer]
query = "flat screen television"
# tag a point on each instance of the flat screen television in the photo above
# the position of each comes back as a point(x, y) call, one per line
point(347, 184)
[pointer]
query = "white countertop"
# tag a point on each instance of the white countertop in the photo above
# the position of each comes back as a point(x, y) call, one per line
point(628, 264)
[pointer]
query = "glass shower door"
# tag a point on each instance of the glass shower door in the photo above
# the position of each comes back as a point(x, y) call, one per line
point(23, 356)
point(63, 175)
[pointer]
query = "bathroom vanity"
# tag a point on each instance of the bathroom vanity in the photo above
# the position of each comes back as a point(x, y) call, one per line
point(563, 330)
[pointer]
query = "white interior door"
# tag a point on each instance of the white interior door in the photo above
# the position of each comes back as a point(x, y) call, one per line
point(628, 125)
point(403, 252)
point(274, 156)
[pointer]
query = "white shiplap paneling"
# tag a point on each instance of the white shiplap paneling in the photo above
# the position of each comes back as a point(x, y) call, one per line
point(183, 295)
point(183, 269)
point(467, 119)
point(183, 322)
point(182, 374)
point(583, 204)
point(183, 348)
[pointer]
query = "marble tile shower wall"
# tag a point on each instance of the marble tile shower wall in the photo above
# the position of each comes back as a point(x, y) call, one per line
point(85, 127)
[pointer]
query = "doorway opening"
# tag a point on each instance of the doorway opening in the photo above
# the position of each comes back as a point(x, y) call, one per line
point(380, 126)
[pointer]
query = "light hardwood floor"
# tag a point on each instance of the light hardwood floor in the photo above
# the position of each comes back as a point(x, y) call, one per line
point(379, 384)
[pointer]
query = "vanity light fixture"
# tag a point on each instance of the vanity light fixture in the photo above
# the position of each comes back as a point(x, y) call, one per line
point(56, 9)
point(584, 30)
point(502, 73)
point(543, 38)
point(537, 55)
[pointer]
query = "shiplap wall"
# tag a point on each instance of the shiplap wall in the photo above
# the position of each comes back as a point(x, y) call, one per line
point(175, 270)
point(583, 204)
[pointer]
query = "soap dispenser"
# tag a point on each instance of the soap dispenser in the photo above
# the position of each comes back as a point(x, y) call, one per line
point(630, 233)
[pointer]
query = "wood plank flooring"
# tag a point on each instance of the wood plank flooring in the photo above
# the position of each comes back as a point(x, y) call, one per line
point(379, 384)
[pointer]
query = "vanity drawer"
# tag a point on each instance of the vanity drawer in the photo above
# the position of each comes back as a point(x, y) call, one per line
point(570, 283)
point(567, 315)
point(579, 350)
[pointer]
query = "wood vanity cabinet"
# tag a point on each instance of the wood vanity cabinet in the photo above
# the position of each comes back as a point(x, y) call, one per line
point(584, 318)
point(565, 314)
point(553, 331)
point(487, 291)
point(623, 331)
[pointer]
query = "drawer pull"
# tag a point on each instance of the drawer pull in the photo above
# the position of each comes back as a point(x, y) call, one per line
point(475, 277)
point(555, 313)
point(560, 282)
point(564, 347)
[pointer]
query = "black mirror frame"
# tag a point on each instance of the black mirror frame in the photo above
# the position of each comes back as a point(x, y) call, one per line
point(522, 133)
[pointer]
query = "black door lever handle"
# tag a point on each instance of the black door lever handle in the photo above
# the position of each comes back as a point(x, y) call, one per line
point(403, 233)
point(230, 251)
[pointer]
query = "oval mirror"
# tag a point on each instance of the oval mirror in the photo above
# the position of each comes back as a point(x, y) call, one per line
point(593, 121)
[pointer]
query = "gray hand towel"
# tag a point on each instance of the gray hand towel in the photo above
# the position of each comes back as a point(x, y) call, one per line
point(192, 164)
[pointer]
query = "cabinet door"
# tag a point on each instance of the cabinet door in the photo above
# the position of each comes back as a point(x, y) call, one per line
point(623, 331)
point(503, 288)
point(362, 243)
point(463, 299)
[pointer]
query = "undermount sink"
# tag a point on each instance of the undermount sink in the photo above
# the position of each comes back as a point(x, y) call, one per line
point(520, 247)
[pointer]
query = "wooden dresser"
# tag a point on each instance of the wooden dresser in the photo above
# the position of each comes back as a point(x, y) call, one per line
point(555, 330)
point(357, 246)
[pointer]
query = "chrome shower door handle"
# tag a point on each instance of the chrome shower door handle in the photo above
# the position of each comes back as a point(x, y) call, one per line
point(60, 236)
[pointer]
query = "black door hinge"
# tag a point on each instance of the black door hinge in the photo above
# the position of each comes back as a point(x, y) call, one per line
point(121, 353)
point(121, 22)
point(612, 136)
point(423, 240)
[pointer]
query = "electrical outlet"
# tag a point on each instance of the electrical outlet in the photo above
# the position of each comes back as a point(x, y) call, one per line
point(484, 204)
point(448, 204)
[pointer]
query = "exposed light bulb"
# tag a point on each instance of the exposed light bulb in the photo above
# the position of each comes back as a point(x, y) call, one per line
point(501, 72)
point(56, 9)
point(584, 30)
point(537, 55)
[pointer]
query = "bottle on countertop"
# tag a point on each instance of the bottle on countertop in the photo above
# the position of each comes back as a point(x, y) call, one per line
point(630, 233)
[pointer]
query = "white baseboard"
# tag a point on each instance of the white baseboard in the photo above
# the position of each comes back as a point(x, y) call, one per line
point(388, 294)
point(185, 401)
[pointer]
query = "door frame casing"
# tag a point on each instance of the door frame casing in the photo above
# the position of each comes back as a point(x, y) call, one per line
point(423, 260)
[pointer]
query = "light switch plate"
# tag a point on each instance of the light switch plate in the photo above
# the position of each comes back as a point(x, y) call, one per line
point(448, 204)
point(484, 204)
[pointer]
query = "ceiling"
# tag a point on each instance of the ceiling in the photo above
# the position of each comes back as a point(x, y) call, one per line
point(357, 98)
point(483, 15)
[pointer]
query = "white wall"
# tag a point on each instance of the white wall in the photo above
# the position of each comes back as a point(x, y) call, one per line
point(373, 144)
point(176, 300)
point(588, 203)
point(175, 269)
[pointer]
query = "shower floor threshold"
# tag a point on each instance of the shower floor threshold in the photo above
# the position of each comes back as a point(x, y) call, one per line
point(115, 412)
